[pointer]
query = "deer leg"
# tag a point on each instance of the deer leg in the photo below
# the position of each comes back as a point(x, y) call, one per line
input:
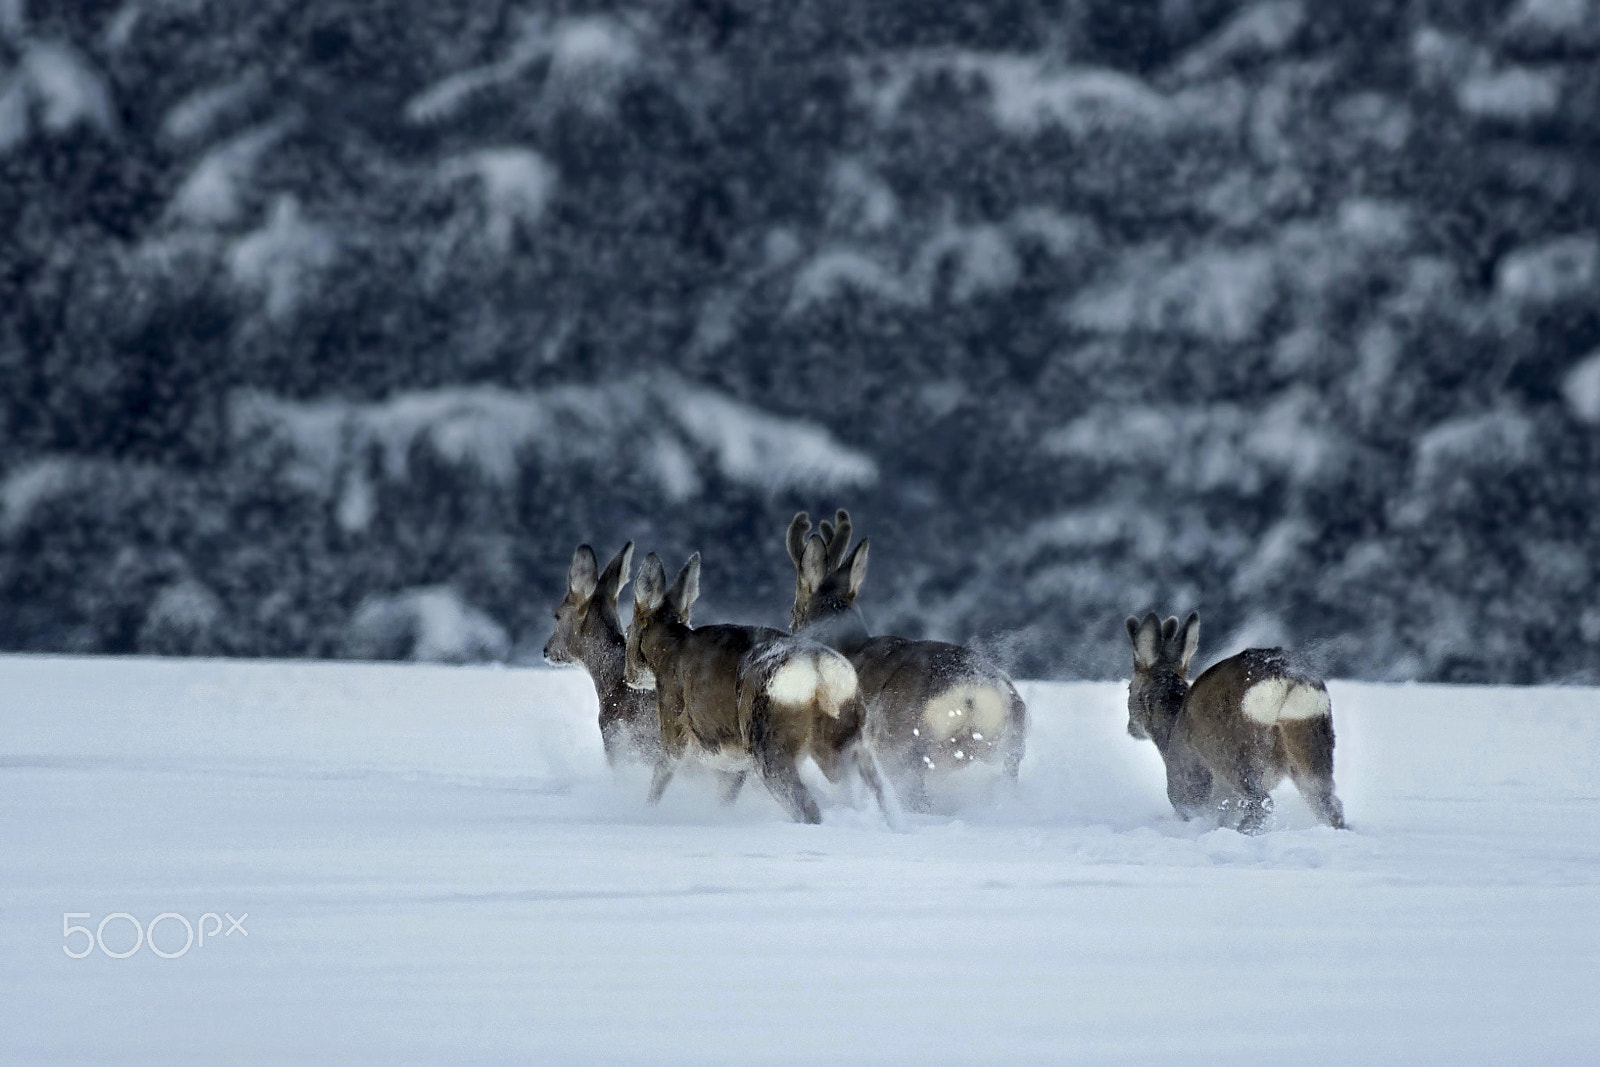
point(1012, 747)
point(1240, 797)
point(728, 785)
point(1244, 774)
point(872, 773)
point(1016, 744)
point(915, 763)
point(1309, 745)
point(831, 740)
point(611, 740)
point(1252, 802)
point(828, 762)
point(778, 748)
point(910, 771)
point(917, 791)
point(1188, 784)
point(673, 742)
point(846, 782)
point(1320, 796)
point(1254, 807)
point(659, 779)
point(783, 781)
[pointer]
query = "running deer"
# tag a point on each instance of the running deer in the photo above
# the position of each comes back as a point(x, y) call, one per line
point(745, 697)
point(933, 707)
point(1235, 734)
point(589, 633)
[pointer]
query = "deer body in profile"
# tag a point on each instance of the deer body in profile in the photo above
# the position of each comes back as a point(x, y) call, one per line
point(589, 633)
point(933, 707)
point(744, 698)
point(1229, 739)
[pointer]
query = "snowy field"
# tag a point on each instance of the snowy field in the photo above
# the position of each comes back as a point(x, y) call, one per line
point(437, 867)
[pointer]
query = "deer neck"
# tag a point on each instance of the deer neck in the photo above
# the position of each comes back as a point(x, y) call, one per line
point(1164, 691)
point(603, 652)
point(839, 626)
point(660, 641)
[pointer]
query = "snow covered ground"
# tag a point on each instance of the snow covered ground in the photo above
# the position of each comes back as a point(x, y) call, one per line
point(437, 867)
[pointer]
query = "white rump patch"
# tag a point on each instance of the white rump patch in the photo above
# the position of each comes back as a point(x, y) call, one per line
point(1275, 699)
point(813, 676)
point(836, 682)
point(1305, 702)
point(795, 682)
point(965, 709)
point(1262, 700)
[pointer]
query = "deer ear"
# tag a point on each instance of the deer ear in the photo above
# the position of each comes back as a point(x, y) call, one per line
point(840, 541)
point(1169, 629)
point(1146, 640)
point(813, 564)
point(686, 590)
point(795, 539)
point(581, 579)
point(615, 576)
point(858, 566)
point(1190, 636)
point(649, 588)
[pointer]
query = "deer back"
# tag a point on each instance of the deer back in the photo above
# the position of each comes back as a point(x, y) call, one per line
point(713, 669)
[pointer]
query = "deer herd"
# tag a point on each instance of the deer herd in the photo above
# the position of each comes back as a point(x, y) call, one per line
point(902, 714)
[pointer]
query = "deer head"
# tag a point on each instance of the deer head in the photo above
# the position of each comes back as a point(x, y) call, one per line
point(828, 573)
point(1161, 655)
point(655, 606)
point(588, 628)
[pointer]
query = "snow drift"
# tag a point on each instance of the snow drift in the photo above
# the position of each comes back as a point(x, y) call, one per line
point(437, 865)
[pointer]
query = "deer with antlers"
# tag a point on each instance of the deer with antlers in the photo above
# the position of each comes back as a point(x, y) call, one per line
point(1245, 724)
point(589, 633)
point(745, 697)
point(933, 708)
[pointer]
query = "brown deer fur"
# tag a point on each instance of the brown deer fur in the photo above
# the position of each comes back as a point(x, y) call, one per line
point(589, 633)
point(742, 697)
point(1245, 724)
point(933, 707)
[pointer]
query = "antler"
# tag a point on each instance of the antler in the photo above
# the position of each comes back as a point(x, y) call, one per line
point(796, 538)
point(837, 539)
point(813, 563)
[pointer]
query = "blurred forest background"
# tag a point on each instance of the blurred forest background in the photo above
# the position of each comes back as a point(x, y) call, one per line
point(329, 327)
